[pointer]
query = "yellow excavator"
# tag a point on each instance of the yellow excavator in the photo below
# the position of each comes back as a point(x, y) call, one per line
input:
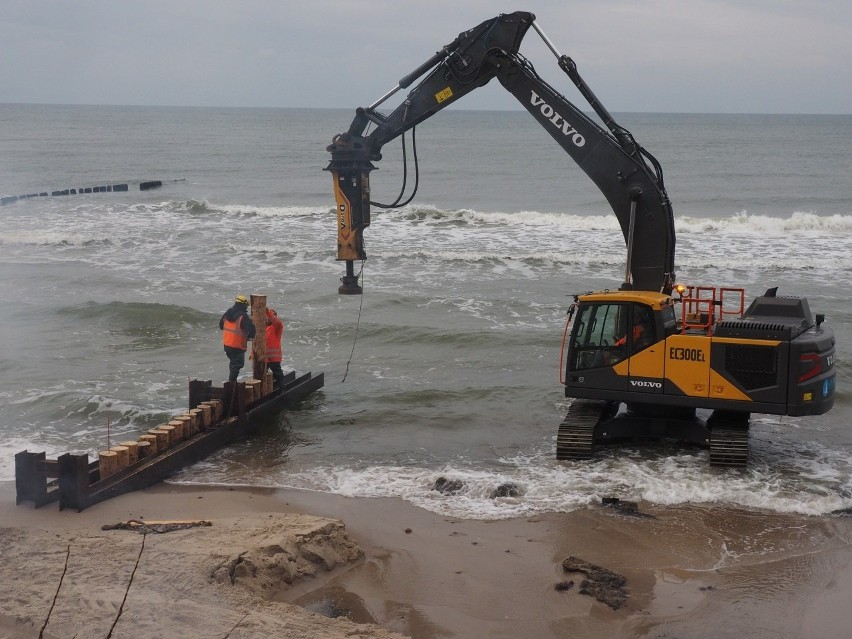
point(652, 358)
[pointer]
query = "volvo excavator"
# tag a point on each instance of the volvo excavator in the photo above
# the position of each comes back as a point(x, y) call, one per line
point(651, 358)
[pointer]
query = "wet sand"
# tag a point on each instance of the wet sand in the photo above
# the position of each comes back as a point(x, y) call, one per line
point(281, 563)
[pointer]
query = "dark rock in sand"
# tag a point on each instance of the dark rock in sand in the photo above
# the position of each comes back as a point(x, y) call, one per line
point(600, 583)
point(508, 489)
point(448, 486)
point(628, 508)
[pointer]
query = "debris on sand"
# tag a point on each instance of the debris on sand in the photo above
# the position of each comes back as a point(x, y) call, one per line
point(600, 583)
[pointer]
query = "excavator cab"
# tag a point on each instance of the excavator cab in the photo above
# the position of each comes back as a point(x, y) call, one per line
point(617, 341)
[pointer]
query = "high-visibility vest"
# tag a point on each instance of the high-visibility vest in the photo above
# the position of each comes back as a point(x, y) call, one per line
point(273, 342)
point(233, 334)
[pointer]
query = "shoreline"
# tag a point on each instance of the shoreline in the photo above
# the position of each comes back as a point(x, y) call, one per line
point(696, 571)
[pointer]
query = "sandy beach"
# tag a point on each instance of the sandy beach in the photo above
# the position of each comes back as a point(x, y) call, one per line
point(299, 564)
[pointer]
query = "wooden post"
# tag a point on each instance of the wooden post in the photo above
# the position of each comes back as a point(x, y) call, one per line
point(171, 432)
point(216, 406)
point(197, 417)
point(162, 438)
point(122, 456)
point(143, 448)
point(206, 414)
point(186, 425)
point(245, 392)
point(107, 463)
point(256, 391)
point(132, 451)
point(178, 426)
point(152, 444)
point(258, 344)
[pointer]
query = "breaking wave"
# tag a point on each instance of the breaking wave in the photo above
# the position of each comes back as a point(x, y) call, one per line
point(803, 481)
point(800, 221)
point(744, 222)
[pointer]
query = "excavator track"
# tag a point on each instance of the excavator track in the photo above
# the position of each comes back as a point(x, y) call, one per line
point(729, 446)
point(576, 436)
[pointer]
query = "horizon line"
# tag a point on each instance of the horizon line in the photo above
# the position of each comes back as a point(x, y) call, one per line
point(452, 108)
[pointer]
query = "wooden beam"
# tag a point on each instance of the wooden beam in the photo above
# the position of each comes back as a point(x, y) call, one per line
point(258, 344)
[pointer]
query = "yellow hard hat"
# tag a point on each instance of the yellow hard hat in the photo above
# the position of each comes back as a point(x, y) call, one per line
point(241, 299)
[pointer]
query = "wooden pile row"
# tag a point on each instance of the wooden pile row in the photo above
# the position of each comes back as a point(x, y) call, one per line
point(258, 389)
point(159, 439)
point(204, 417)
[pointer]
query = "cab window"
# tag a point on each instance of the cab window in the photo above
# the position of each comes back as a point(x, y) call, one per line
point(593, 337)
point(644, 330)
point(669, 321)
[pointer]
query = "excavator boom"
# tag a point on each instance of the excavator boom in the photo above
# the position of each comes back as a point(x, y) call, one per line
point(629, 177)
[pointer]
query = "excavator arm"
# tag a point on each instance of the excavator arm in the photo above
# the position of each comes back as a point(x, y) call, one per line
point(628, 176)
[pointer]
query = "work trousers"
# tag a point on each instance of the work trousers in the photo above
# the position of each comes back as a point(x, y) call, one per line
point(277, 374)
point(236, 361)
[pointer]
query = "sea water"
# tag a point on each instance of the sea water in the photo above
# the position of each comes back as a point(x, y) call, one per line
point(448, 365)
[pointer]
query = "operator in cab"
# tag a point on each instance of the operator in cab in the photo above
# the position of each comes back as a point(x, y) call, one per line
point(643, 333)
point(237, 329)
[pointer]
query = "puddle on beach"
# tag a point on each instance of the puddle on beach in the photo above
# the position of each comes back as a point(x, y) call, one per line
point(334, 601)
point(676, 593)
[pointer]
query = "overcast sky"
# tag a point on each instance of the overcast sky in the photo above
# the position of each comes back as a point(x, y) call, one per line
point(714, 56)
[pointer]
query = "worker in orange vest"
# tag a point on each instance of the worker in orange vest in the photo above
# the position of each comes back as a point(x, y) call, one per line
point(638, 333)
point(237, 329)
point(642, 334)
point(274, 330)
